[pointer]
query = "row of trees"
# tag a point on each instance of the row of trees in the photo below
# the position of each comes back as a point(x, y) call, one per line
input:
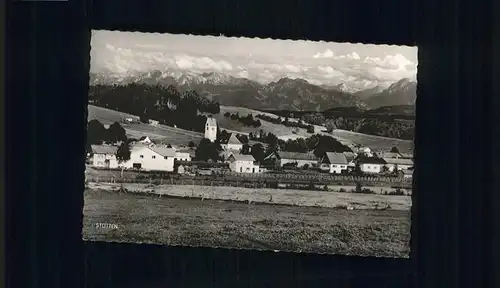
point(319, 144)
point(286, 122)
point(373, 126)
point(247, 120)
point(165, 104)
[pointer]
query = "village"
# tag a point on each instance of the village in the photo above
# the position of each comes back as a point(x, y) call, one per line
point(148, 156)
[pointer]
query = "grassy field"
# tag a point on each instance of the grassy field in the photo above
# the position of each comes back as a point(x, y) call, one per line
point(374, 142)
point(191, 222)
point(326, 199)
point(160, 133)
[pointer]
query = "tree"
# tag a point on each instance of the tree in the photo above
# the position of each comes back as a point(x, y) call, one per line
point(394, 150)
point(258, 152)
point(207, 150)
point(96, 132)
point(116, 133)
point(245, 149)
point(330, 126)
point(123, 153)
point(357, 169)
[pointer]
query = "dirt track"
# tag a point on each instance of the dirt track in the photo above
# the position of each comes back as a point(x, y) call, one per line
point(190, 222)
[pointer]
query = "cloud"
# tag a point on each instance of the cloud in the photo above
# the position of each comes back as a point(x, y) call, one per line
point(326, 54)
point(325, 67)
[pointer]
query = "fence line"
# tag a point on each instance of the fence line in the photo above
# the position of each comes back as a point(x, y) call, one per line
point(246, 183)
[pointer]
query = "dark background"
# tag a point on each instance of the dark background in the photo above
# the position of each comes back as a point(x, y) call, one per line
point(47, 62)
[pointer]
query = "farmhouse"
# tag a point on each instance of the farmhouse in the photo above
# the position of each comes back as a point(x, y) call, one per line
point(104, 156)
point(336, 162)
point(153, 122)
point(151, 157)
point(231, 143)
point(242, 163)
point(398, 164)
point(283, 158)
point(211, 129)
point(371, 164)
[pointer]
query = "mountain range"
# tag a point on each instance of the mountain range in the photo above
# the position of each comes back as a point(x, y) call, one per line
point(284, 94)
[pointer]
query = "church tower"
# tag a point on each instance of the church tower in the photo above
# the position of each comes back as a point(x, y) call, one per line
point(211, 129)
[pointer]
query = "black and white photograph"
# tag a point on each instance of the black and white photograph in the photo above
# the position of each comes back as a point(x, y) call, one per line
point(248, 143)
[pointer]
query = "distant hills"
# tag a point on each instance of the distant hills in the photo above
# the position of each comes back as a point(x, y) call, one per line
point(284, 94)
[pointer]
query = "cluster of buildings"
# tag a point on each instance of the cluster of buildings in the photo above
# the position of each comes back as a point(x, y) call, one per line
point(146, 155)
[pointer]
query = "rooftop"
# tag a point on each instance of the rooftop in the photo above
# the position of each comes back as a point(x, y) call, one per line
point(231, 140)
point(243, 157)
point(398, 161)
point(371, 160)
point(296, 156)
point(104, 149)
point(336, 158)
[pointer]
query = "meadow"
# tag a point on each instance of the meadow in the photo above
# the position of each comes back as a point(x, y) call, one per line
point(308, 198)
point(374, 142)
point(211, 223)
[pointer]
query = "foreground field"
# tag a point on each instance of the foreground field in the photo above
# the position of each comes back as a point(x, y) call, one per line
point(326, 199)
point(190, 222)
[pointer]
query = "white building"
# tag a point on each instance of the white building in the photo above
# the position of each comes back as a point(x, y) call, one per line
point(398, 164)
point(242, 163)
point(231, 143)
point(337, 162)
point(153, 122)
point(371, 165)
point(104, 156)
point(211, 129)
point(150, 158)
point(365, 151)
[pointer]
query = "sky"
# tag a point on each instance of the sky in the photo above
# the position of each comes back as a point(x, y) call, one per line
point(262, 60)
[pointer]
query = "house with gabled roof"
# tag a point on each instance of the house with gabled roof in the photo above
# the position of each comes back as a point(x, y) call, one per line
point(241, 163)
point(150, 158)
point(104, 156)
point(370, 164)
point(231, 143)
point(337, 162)
point(283, 158)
